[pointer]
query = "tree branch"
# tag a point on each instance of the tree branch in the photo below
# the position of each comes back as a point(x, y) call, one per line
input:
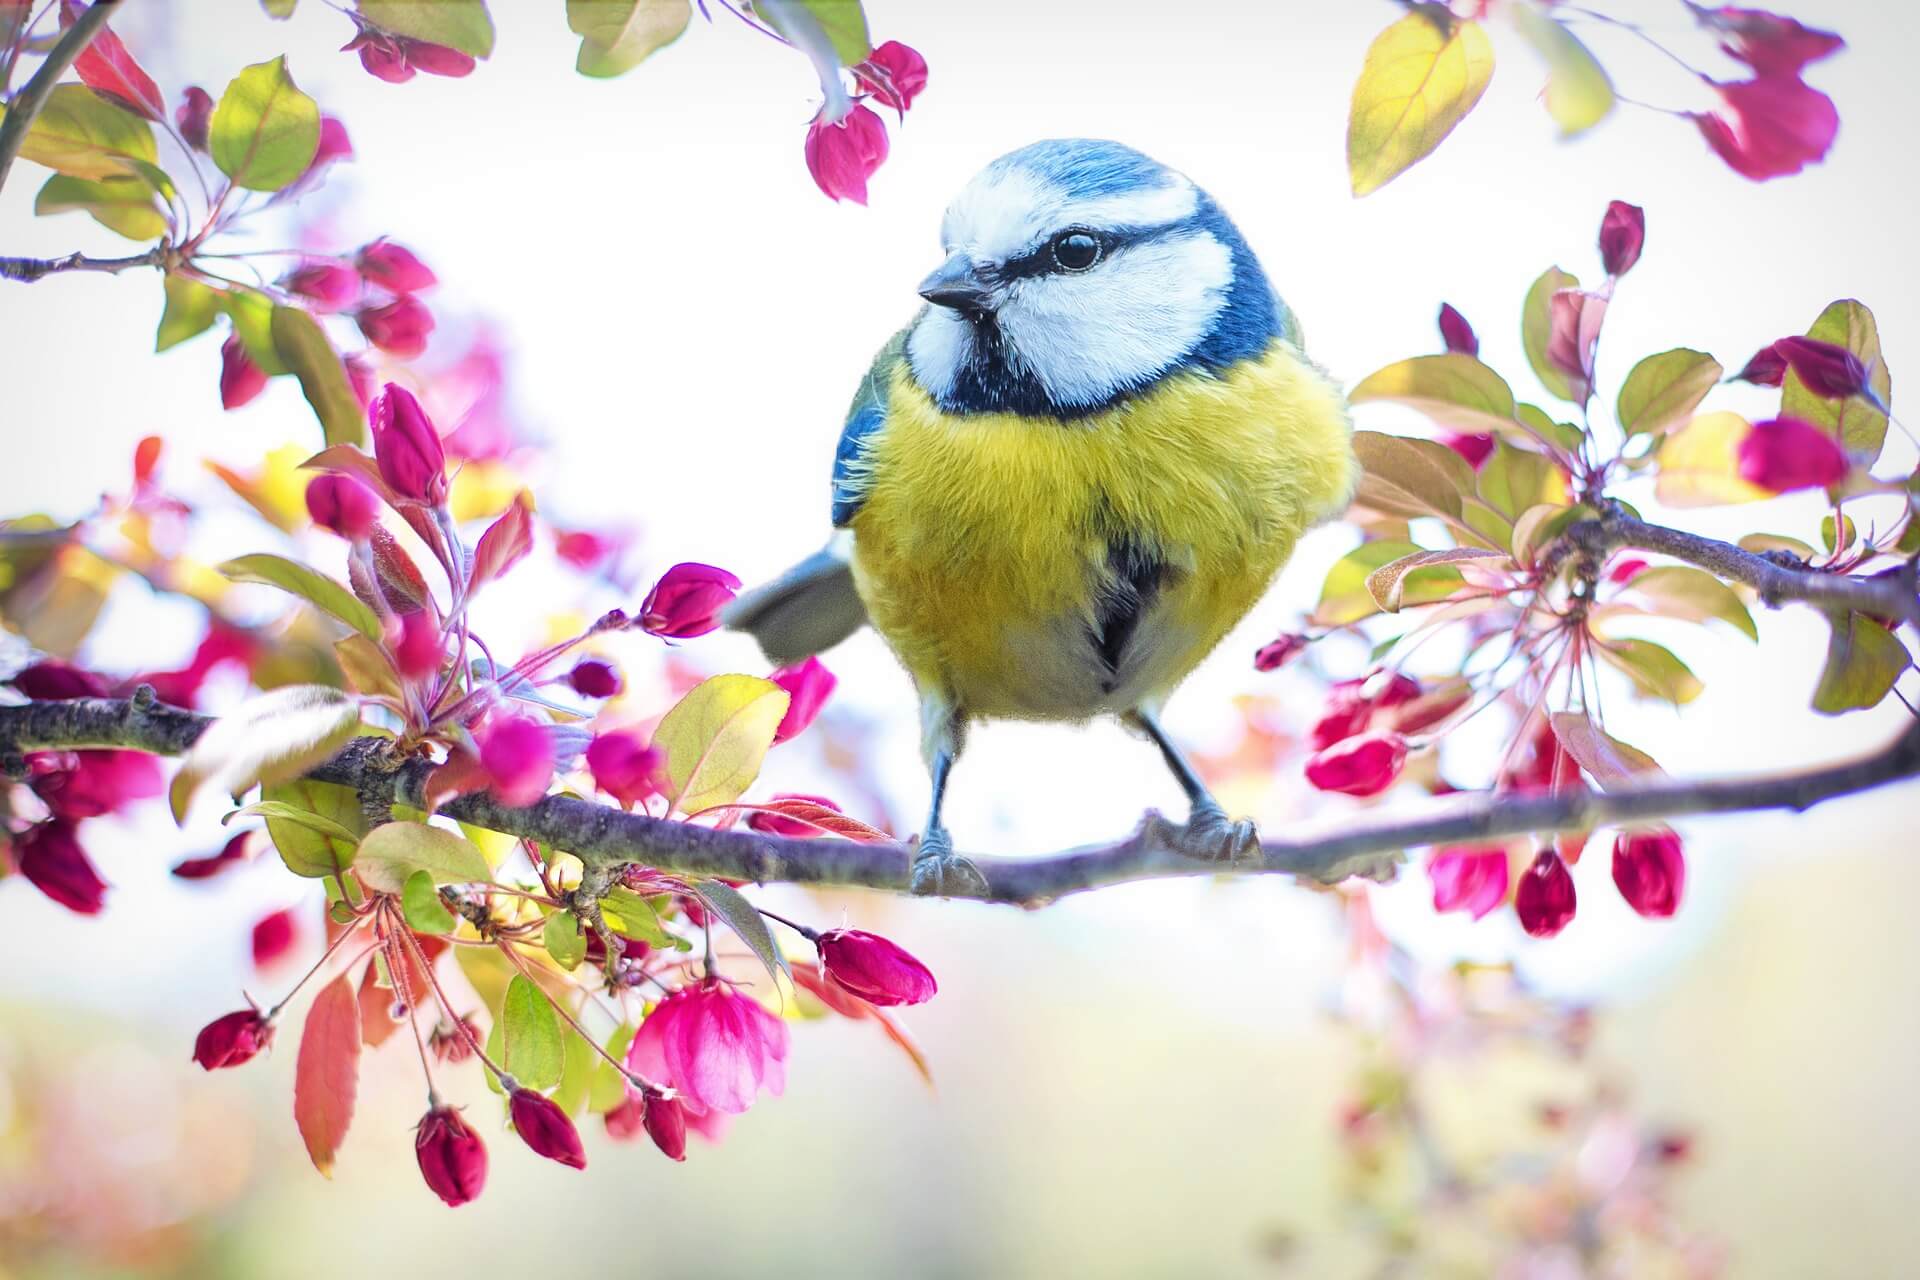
point(28, 270)
point(25, 105)
point(605, 837)
point(1777, 578)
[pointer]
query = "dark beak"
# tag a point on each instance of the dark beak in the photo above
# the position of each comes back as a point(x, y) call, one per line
point(956, 283)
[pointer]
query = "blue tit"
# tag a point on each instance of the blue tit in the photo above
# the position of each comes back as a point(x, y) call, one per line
point(1073, 472)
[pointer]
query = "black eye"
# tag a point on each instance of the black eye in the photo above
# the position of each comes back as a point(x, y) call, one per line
point(1075, 250)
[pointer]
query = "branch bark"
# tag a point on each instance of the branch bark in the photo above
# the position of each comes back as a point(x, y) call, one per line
point(27, 270)
point(605, 837)
point(25, 106)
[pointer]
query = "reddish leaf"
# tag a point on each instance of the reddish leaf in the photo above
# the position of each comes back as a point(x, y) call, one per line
point(376, 1009)
point(106, 67)
point(810, 813)
point(328, 1073)
point(504, 544)
point(808, 977)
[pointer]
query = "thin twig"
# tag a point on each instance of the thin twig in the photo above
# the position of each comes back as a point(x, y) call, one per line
point(25, 106)
point(27, 270)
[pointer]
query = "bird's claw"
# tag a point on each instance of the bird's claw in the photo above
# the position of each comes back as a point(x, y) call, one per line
point(1210, 836)
point(940, 872)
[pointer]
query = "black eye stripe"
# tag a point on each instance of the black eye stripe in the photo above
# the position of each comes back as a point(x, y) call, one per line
point(1039, 260)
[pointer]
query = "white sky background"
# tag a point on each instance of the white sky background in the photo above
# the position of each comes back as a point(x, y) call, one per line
point(687, 318)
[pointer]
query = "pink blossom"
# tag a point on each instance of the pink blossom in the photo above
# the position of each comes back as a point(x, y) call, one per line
point(594, 678)
point(874, 968)
point(1769, 127)
point(407, 448)
point(232, 853)
point(394, 267)
point(400, 328)
point(92, 783)
point(687, 601)
point(193, 116)
point(1359, 766)
point(452, 1158)
point(1279, 651)
point(894, 73)
point(808, 687)
point(437, 59)
point(1622, 232)
point(1770, 44)
point(1475, 446)
point(340, 504)
point(329, 286)
point(1785, 454)
point(543, 1126)
point(240, 378)
point(273, 936)
point(1456, 333)
point(517, 754)
point(716, 1048)
point(416, 645)
point(625, 767)
point(232, 1039)
point(53, 680)
point(1827, 369)
point(1650, 870)
point(842, 155)
point(1625, 569)
point(1544, 900)
point(1470, 878)
point(50, 857)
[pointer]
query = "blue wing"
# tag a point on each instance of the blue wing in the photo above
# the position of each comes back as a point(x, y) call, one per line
point(865, 416)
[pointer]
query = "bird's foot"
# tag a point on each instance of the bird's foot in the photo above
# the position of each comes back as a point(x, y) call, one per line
point(1210, 836)
point(940, 872)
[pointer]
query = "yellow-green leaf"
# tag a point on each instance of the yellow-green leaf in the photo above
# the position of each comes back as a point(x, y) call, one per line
point(252, 314)
point(269, 738)
point(1662, 391)
point(367, 668)
point(1861, 428)
point(457, 24)
point(1344, 596)
point(1455, 390)
point(563, 939)
point(264, 131)
point(531, 1037)
point(1692, 595)
point(1761, 543)
point(1387, 584)
point(1653, 668)
point(83, 135)
point(1578, 94)
point(123, 205)
point(1404, 477)
point(1512, 480)
point(716, 737)
point(311, 585)
point(190, 310)
point(304, 347)
point(1536, 327)
point(842, 22)
point(1864, 659)
point(618, 35)
point(393, 851)
point(1700, 463)
point(302, 841)
point(1609, 760)
point(420, 904)
point(1422, 75)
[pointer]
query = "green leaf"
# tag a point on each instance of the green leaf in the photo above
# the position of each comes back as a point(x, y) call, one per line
point(1541, 426)
point(303, 346)
point(1344, 596)
point(83, 135)
point(1578, 94)
point(457, 24)
point(1662, 391)
point(1610, 761)
point(1411, 478)
point(420, 904)
point(1513, 480)
point(190, 311)
point(1536, 326)
point(280, 10)
point(1422, 76)
point(564, 940)
point(311, 585)
point(302, 840)
point(1761, 543)
point(1838, 540)
point(1700, 463)
point(123, 205)
point(618, 35)
point(609, 1088)
point(1454, 390)
point(716, 737)
point(1861, 428)
point(1863, 661)
point(394, 851)
point(842, 22)
point(1653, 668)
point(576, 1072)
point(1540, 525)
point(269, 738)
point(744, 919)
point(294, 812)
point(531, 1050)
point(264, 131)
point(252, 314)
point(1388, 583)
point(1693, 595)
point(636, 918)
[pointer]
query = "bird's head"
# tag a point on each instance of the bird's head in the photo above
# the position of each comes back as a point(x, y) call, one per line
point(1079, 273)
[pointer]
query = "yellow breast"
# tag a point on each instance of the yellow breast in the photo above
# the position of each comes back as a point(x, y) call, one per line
point(984, 541)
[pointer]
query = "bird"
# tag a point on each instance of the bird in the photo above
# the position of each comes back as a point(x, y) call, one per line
point(1082, 462)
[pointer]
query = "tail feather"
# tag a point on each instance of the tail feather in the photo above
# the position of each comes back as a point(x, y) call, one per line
point(806, 610)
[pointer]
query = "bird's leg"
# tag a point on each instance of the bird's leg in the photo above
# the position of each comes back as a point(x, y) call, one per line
point(937, 869)
point(1209, 833)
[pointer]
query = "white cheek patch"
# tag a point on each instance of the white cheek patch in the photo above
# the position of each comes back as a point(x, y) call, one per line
point(1004, 213)
point(939, 347)
point(1086, 338)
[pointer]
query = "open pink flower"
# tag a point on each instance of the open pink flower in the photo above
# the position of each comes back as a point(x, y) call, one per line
point(1767, 42)
point(517, 754)
point(842, 155)
point(1769, 127)
point(808, 687)
point(1471, 878)
point(716, 1048)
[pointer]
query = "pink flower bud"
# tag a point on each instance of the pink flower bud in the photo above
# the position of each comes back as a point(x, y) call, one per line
point(1279, 651)
point(1767, 368)
point(874, 969)
point(400, 328)
point(49, 855)
point(1544, 899)
point(394, 267)
point(1456, 332)
point(542, 1125)
point(1347, 713)
point(1475, 446)
point(517, 754)
point(232, 1039)
point(1361, 766)
point(193, 115)
point(894, 73)
point(273, 937)
point(329, 286)
point(687, 601)
point(1828, 370)
point(360, 377)
point(1785, 454)
point(594, 678)
point(843, 155)
point(625, 767)
point(416, 645)
point(436, 59)
point(1770, 44)
point(1650, 870)
point(1622, 231)
point(1625, 569)
point(53, 680)
point(412, 460)
point(1470, 878)
point(340, 504)
point(1770, 127)
point(381, 55)
point(240, 378)
point(666, 1123)
point(582, 548)
point(452, 1158)
point(808, 686)
point(1384, 689)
